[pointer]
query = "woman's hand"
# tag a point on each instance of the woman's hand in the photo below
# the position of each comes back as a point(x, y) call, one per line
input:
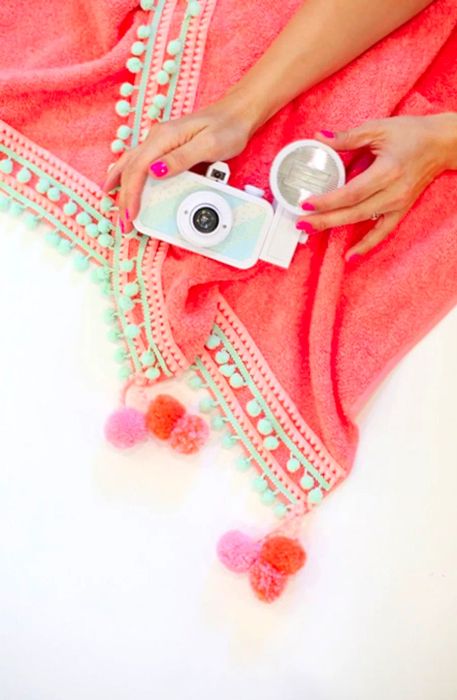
point(217, 132)
point(409, 152)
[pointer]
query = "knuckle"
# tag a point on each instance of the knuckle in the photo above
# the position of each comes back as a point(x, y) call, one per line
point(211, 144)
point(178, 160)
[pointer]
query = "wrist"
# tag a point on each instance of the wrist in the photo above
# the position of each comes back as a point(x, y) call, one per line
point(445, 138)
point(251, 105)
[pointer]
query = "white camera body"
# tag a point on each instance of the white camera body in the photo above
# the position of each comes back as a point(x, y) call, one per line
point(239, 227)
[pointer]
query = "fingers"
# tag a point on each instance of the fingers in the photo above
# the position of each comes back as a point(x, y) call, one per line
point(352, 139)
point(181, 158)
point(363, 211)
point(385, 225)
point(113, 178)
point(357, 190)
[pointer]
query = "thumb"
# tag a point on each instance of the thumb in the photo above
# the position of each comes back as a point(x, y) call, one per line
point(351, 139)
point(182, 158)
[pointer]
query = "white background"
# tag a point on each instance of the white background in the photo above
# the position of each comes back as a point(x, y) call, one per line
point(110, 588)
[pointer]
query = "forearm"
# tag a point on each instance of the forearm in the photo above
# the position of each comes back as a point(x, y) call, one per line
point(322, 37)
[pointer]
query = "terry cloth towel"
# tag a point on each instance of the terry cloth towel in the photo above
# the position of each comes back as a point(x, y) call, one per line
point(288, 358)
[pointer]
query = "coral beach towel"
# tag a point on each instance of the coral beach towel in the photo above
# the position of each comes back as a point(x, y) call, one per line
point(288, 358)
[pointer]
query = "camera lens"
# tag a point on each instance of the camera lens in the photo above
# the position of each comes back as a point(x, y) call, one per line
point(205, 219)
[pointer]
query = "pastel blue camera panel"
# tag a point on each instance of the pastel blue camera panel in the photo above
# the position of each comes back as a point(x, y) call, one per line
point(251, 217)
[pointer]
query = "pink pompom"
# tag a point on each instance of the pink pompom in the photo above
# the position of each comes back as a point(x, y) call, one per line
point(237, 551)
point(189, 434)
point(267, 582)
point(125, 428)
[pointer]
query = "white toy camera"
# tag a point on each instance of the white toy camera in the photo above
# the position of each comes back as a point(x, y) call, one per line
point(238, 227)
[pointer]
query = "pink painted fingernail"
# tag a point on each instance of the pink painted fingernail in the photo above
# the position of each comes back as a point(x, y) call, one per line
point(354, 256)
point(328, 134)
point(127, 215)
point(307, 206)
point(305, 226)
point(121, 224)
point(159, 168)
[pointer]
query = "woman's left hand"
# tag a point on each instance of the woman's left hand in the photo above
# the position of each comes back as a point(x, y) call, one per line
point(409, 152)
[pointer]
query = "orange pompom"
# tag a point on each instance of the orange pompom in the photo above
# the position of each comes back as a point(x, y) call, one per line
point(267, 582)
point(163, 414)
point(285, 554)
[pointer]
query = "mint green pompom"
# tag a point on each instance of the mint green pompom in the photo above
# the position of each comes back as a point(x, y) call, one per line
point(259, 484)
point(307, 482)
point(143, 31)
point(315, 496)
point(124, 131)
point(16, 208)
point(122, 108)
point(243, 463)
point(194, 8)
point(70, 208)
point(83, 218)
point(271, 443)
point(159, 101)
point(170, 66)
point(153, 112)
point(206, 404)
point(117, 146)
point(30, 220)
point(280, 510)
point(126, 89)
point(6, 166)
point(127, 265)
point(253, 408)
point(106, 290)
point(147, 4)
point(4, 202)
point(227, 370)
point(195, 382)
point(162, 77)
point(42, 185)
point(236, 381)
point(65, 246)
point(106, 204)
point(147, 358)
point(114, 335)
point(131, 289)
point(102, 273)
point(126, 303)
point(134, 65)
point(53, 238)
point(53, 194)
point(24, 175)
point(132, 331)
point(293, 465)
point(81, 262)
point(138, 48)
point(120, 355)
point(174, 47)
point(109, 316)
point(264, 426)
point(104, 226)
point(92, 230)
point(268, 497)
point(125, 372)
point(152, 373)
point(105, 240)
point(217, 422)
point(222, 357)
point(213, 342)
point(228, 441)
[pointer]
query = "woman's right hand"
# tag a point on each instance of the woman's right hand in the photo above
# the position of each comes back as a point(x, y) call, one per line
point(217, 132)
